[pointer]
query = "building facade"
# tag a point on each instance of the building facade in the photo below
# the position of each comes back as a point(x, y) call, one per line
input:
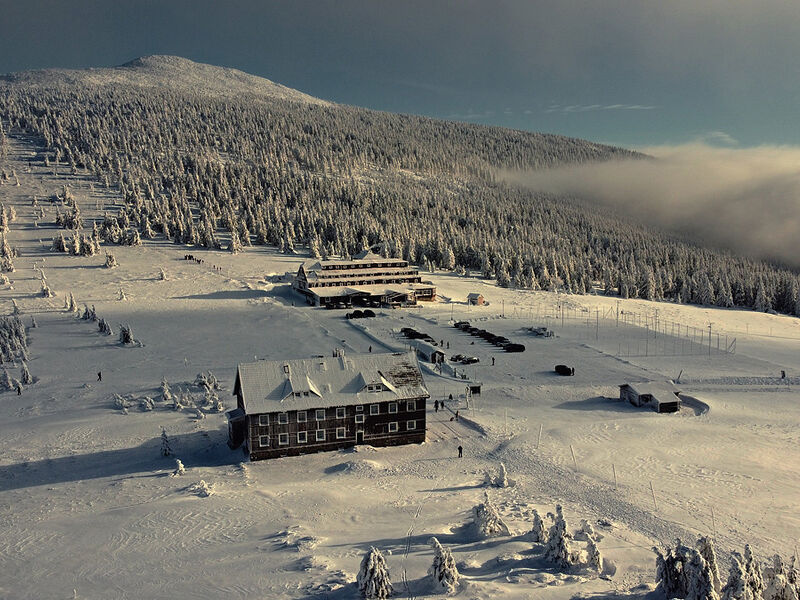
point(367, 280)
point(287, 408)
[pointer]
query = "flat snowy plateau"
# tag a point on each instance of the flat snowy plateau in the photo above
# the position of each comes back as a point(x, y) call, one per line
point(88, 506)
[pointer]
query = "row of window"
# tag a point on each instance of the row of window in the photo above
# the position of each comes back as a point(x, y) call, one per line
point(341, 433)
point(370, 265)
point(372, 281)
point(341, 412)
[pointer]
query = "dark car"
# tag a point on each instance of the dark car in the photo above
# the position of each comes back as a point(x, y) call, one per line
point(487, 335)
point(357, 314)
point(457, 358)
point(565, 370)
point(472, 330)
point(369, 313)
point(460, 324)
point(501, 341)
point(464, 326)
point(514, 348)
point(470, 360)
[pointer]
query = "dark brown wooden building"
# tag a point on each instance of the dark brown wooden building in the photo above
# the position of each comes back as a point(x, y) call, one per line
point(287, 408)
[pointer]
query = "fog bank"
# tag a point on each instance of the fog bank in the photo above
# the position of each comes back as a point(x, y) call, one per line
point(746, 200)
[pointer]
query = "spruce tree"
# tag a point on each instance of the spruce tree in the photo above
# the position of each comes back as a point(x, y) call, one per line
point(443, 570)
point(373, 576)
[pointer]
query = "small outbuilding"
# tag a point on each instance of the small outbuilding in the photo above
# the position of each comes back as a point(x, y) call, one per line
point(661, 396)
point(475, 299)
point(427, 351)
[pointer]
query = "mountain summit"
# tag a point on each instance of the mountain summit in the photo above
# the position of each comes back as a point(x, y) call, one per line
point(172, 72)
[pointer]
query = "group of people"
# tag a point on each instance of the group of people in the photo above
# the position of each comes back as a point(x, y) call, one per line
point(200, 261)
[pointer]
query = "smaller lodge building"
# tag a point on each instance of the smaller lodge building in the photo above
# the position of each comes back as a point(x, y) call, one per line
point(475, 299)
point(661, 396)
point(287, 408)
point(367, 280)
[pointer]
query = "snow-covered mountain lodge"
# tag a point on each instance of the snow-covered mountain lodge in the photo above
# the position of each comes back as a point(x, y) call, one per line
point(368, 279)
point(287, 408)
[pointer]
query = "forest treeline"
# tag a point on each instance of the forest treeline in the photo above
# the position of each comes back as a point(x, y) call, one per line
point(233, 171)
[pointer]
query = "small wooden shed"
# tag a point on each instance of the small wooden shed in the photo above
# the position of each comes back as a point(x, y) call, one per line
point(661, 396)
point(475, 299)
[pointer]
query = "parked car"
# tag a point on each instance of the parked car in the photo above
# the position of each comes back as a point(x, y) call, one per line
point(460, 324)
point(501, 341)
point(464, 326)
point(514, 348)
point(541, 332)
point(457, 358)
point(369, 313)
point(470, 360)
point(472, 330)
point(565, 370)
point(357, 314)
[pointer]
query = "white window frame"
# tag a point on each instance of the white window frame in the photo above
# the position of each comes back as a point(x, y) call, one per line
point(411, 425)
point(283, 418)
point(341, 412)
point(302, 437)
point(316, 414)
point(411, 405)
point(360, 418)
point(360, 408)
point(263, 420)
point(393, 427)
point(302, 416)
point(374, 409)
point(320, 437)
point(261, 441)
point(393, 408)
point(341, 433)
point(281, 438)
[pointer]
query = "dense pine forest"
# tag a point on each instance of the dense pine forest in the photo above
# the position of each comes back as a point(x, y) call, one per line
point(227, 169)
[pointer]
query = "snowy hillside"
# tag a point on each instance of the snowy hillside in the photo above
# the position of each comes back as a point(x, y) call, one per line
point(89, 503)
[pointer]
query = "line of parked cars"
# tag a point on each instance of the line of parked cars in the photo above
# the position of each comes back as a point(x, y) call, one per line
point(360, 314)
point(413, 334)
point(465, 360)
point(497, 340)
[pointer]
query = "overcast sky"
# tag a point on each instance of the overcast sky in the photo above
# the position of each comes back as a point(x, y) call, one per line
point(634, 72)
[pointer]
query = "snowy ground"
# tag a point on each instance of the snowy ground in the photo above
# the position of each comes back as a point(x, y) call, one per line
point(87, 503)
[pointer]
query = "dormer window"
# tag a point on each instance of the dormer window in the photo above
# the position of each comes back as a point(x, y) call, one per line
point(375, 387)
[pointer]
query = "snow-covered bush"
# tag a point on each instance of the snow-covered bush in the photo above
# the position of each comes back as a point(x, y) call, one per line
point(179, 468)
point(166, 394)
point(126, 335)
point(162, 274)
point(146, 404)
point(46, 292)
point(373, 576)
point(111, 261)
point(201, 488)
point(25, 374)
point(754, 577)
point(487, 520)
point(443, 570)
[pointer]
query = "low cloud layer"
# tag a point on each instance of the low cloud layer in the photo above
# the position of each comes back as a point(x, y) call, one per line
point(746, 200)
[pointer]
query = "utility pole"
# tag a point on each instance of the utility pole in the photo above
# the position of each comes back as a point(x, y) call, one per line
point(709, 339)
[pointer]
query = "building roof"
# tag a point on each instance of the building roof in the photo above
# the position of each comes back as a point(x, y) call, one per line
point(425, 347)
point(653, 388)
point(474, 296)
point(303, 384)
point(361, 258)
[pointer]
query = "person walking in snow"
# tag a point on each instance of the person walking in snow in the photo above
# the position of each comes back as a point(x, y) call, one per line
point(456, 415)
point(460, 452)
point(370, 348)
point(19, 389)
point(493, 361)
point(436, 406)
point(99, 376)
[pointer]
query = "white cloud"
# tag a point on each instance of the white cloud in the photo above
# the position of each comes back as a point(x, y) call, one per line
point(745, 199)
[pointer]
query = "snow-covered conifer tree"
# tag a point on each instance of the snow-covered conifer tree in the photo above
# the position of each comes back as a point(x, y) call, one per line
point(736, 587)
point(125, 334)
point(595, 559)
point(166, 394)
point(111, 261)
point(776, 581)
point(179, 468)
point(162, 275)
point(754, 577)
point(373, 576)
point(443, 570)
point(706, 548)
point(121, 297)
point(502, 477)
point(557, 550)
point(25, 374)
point(487, 520)
point(700, 585)
point(166, 450)
point(538, 531)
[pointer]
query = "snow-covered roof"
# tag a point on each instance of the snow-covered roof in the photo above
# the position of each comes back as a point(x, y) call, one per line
point(653, 388)
point(474, 296)
point(303, 384)
point(425, 347)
